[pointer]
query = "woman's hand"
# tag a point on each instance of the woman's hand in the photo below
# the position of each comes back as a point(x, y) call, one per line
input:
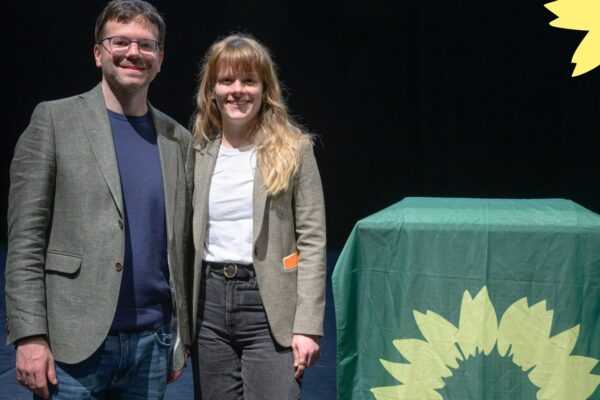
point(307, 351)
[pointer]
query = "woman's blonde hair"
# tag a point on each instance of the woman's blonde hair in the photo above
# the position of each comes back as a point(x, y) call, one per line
point(277, 138)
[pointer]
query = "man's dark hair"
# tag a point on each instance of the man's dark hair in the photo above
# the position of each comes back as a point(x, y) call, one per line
point(127, 11)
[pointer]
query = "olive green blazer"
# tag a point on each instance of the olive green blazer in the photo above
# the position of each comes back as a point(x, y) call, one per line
point(294, 221)
point(65, 221)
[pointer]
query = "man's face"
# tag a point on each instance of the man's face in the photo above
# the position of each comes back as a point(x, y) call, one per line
point(132, 69)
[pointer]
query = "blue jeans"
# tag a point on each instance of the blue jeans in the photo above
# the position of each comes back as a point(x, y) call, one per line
point(234, 355)
point(126, 366)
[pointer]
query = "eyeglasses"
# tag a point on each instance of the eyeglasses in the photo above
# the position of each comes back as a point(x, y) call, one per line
point(121, 45)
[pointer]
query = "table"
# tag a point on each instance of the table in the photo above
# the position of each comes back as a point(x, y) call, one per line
point(446, 298)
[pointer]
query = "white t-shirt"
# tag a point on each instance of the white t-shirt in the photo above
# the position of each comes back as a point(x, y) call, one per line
point(230, 226)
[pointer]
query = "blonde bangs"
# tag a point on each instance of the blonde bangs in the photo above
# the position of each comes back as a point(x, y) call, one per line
point(236, 58)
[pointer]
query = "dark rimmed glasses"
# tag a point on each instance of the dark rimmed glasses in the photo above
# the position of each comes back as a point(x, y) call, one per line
point(120, 45)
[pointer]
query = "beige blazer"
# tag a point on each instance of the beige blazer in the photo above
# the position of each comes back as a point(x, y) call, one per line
point(294, 221)
point(66, 240)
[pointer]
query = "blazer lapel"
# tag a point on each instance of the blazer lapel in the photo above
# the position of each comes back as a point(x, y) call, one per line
point(94, 116)
point(259, 203)
point(206, 159)
point(169, 154)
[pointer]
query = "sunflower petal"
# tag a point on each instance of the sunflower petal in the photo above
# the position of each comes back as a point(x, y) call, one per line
point(574, 14)
point(402, 392)
point(478, 325)
point(441, 336)
point(586, 56)
point(522, 329)
point(568, 379)
point(424, 358)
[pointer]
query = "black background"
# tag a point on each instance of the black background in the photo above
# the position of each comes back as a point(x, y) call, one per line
point(410, 98)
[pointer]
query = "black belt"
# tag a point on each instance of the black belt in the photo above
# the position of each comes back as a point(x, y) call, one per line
point(231, 270)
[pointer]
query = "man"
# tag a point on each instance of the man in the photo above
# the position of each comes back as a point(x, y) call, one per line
point(98, 218)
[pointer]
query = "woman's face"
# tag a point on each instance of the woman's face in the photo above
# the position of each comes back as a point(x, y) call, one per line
point(238, 95)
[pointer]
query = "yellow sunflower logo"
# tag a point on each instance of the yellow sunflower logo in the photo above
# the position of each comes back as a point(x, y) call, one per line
point(523, 336)
point(580, 15)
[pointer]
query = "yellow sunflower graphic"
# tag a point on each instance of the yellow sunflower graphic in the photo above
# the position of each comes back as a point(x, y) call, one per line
point(522, 336)
point(580, 15)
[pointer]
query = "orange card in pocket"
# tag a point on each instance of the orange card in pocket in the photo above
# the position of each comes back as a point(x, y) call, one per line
point(291, 261)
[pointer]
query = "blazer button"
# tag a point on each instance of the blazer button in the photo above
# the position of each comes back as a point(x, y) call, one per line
point(121, 224)
point(119, 267)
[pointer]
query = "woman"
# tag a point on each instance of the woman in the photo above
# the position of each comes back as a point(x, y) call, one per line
point(259, 232)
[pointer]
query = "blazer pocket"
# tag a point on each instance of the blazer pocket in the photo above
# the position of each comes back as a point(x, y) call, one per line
point(291, 261)
point(62, 263)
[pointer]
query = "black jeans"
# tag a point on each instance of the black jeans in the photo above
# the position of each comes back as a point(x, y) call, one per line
point(235, 356)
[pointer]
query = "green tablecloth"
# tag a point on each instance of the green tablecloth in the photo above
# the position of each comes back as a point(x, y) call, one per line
point(441, 298)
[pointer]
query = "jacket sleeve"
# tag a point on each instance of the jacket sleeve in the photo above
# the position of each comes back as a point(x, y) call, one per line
point(32, 181)
point(309, 216)
point(181, 332)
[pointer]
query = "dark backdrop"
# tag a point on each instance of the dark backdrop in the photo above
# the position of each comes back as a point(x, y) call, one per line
point(429, 98)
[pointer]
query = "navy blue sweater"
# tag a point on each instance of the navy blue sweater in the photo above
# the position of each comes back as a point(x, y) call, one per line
point(144, 298)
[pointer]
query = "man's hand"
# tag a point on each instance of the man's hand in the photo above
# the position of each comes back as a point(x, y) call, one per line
point(35, 365)
point(174, 375)
point(306, 352)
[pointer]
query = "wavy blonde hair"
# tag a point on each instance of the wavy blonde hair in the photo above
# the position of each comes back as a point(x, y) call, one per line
point(278, 139)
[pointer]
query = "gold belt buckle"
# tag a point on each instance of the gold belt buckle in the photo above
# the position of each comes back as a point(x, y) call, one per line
point(230, 271)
